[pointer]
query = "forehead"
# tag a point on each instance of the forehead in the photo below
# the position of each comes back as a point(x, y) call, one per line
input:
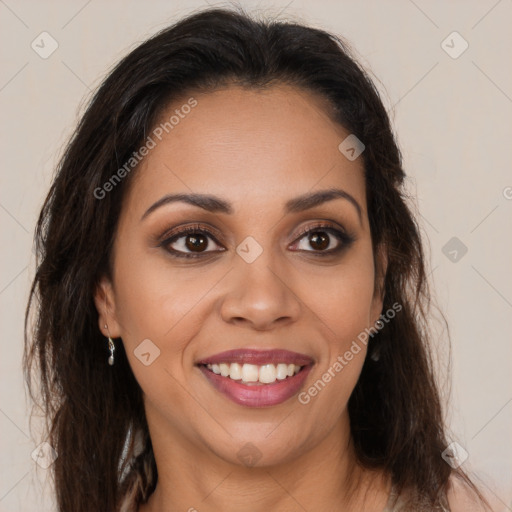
point(247, 144)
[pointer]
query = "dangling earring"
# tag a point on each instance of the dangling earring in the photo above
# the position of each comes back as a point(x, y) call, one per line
point(112, 349)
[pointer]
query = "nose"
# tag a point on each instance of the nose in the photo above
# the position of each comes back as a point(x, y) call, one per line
point(260, 297)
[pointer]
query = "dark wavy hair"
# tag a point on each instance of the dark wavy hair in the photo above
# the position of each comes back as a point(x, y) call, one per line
point(91, 408)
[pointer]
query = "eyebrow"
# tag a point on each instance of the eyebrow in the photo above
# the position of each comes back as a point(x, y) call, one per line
point(215, 204)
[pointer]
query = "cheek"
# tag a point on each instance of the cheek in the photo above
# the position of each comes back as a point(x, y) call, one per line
point(343, 298)
point(153, 298)
point(345, 311)
point(168, 307)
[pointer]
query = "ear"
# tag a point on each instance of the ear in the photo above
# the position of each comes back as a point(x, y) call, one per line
point(104, 299)
point(381, 266)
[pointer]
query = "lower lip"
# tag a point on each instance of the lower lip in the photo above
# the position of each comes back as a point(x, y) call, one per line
point(264, 395)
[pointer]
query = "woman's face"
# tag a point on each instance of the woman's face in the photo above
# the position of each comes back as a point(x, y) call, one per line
point(270, 287)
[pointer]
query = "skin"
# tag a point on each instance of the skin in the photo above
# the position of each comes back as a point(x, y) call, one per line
point(255, 150)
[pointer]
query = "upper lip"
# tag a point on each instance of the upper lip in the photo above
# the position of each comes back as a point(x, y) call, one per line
point(258, 357)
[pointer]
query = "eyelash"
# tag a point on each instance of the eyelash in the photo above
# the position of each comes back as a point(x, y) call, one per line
point(344, 238)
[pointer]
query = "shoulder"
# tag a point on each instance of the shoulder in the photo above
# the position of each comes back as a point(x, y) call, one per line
point(461, 498)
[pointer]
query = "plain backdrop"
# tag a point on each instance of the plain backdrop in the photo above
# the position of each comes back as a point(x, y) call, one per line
point(451, 109)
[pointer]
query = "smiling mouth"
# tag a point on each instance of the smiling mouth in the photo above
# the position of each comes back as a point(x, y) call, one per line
point(254, 375)
point(257, 378)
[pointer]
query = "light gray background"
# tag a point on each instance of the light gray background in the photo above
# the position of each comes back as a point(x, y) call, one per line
point(453, 119)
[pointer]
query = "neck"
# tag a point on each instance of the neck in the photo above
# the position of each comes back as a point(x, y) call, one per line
point(326, 477)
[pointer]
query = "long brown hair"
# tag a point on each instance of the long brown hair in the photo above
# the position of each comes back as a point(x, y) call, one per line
point(92, 408)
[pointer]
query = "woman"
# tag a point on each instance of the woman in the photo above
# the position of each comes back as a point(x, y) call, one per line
point(230, 294)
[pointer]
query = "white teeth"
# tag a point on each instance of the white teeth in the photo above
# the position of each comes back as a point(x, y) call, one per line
point(249, 373)
point(267, 374)
point(252, 373)
point(235, 371)
point(282, 371)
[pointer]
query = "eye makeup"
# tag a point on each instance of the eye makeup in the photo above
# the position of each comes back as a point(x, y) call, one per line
point(196, 240)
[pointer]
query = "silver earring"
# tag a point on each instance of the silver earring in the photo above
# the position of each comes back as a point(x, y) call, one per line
point(375, 355)
point(112, 348)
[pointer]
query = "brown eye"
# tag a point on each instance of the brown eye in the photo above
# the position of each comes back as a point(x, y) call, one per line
point(322, 241)
point(319, 240)
point(192, 242)
point(196, 243)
